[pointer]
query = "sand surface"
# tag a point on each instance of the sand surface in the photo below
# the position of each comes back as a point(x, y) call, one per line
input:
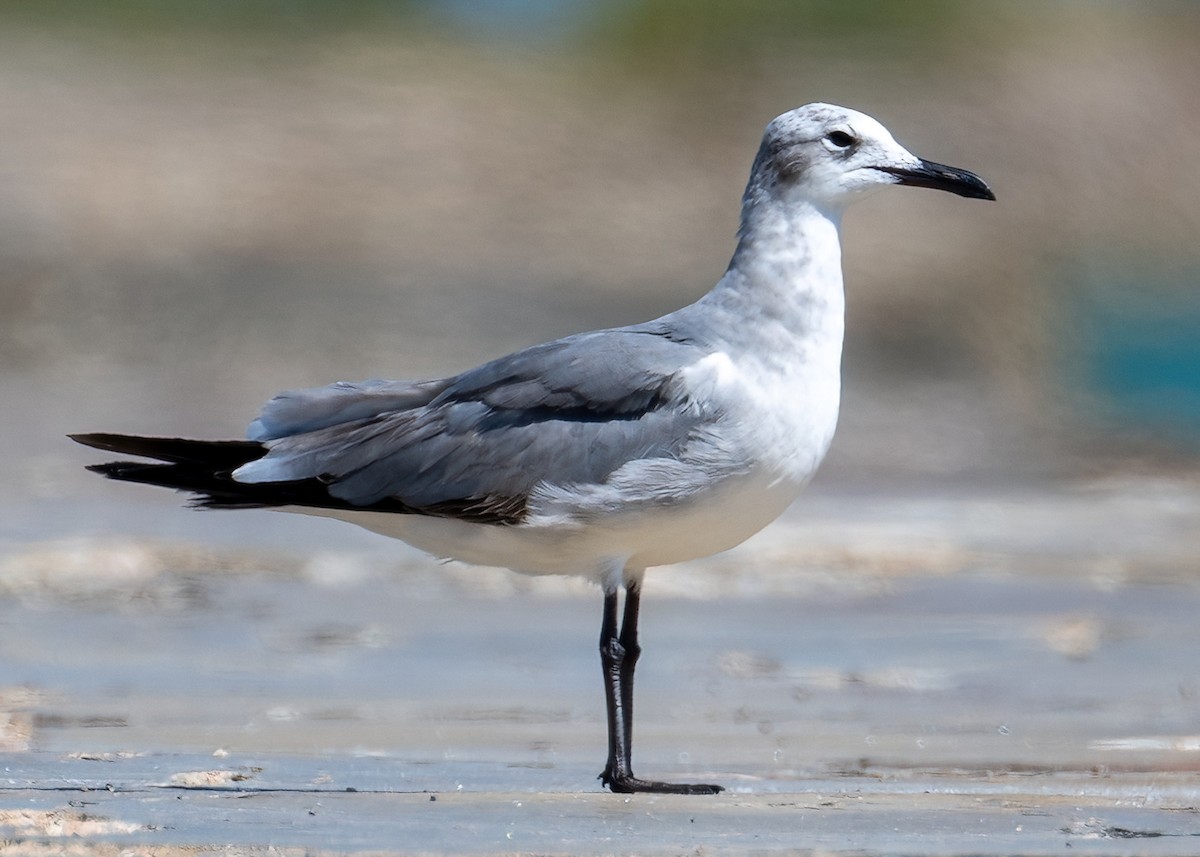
point(1004, 673)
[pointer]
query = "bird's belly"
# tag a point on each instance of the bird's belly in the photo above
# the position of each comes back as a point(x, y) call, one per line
point(717, 522)
point(709, 524)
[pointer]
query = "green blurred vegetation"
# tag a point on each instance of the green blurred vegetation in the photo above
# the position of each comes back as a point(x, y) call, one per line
point(282, 17)
point(669, 32)
point(661, 33)
point(671, 37)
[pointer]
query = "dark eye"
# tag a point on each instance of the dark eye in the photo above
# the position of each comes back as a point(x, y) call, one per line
point(840, 139)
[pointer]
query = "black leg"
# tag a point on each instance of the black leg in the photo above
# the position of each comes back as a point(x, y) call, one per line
point(629, 644)
point(618, 656)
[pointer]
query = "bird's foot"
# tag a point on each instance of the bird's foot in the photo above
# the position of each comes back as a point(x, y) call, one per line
point(629, 784)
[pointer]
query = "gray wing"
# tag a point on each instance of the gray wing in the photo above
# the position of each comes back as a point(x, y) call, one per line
point(567, 412)
point(299, 411)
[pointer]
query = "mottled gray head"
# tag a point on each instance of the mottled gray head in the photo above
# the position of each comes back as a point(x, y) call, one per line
point(830, 155)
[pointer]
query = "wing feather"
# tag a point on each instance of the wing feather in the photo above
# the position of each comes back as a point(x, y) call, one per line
point(567, 412)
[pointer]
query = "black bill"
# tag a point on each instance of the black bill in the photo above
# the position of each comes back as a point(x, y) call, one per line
point(942, 177)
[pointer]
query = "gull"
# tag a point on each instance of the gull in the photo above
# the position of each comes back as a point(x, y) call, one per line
point(605, 453)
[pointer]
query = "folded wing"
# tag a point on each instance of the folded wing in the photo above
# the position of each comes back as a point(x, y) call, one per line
point(570, 412)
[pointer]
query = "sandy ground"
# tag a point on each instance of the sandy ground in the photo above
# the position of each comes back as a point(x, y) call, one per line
point(900, 674)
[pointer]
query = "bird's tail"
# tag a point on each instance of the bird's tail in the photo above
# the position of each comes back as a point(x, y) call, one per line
point(200, 467)
point(205, 469)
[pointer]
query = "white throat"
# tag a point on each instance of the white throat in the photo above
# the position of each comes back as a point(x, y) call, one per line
point(781, 297)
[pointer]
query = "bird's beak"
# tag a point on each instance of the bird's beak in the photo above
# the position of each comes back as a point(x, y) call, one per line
point(941, 177)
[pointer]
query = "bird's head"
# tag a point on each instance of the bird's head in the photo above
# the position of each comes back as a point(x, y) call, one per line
point(831, 155)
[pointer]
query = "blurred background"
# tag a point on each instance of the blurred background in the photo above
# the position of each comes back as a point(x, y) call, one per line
point(205, 201)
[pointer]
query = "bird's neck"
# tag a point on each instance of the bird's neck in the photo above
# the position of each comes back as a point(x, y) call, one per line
point(784, 283)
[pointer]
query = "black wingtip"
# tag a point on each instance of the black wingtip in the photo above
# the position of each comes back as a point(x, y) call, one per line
point(123, 470)
point(219, 454)
point(96, 440)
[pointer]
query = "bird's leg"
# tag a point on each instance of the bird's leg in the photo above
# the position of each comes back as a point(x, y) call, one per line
point(629, 645)
point(618, 655)
point(611, 656)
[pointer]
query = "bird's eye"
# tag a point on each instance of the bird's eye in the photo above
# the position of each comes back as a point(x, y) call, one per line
point(840, 139)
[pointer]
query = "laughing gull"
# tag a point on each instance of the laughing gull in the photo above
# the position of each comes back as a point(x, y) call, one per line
point(604, 453)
